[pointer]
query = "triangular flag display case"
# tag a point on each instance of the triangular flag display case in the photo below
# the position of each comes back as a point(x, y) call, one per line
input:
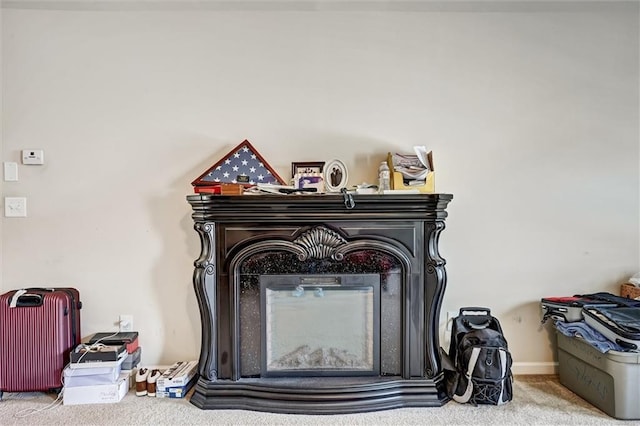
point(242, 165)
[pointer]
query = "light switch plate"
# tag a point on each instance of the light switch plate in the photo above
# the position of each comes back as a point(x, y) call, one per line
point(10, 171)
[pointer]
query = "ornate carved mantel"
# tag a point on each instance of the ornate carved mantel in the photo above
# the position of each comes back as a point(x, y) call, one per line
point(395, 236)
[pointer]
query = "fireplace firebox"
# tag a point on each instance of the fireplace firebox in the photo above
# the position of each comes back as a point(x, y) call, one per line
point(319, 304)
point(320, 325)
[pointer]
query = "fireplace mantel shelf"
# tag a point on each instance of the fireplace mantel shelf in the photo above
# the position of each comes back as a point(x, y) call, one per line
point(393, 237)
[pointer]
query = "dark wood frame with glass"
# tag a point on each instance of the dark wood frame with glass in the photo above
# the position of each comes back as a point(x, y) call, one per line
point(307, 167)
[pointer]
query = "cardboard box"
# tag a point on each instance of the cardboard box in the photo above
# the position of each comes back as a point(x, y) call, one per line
point(607, 380)
point(397, 181)
point(179, 374)
point(96, 394)
point(127, 338)
point(93, 364)
point(89, 353)
point(176, 392)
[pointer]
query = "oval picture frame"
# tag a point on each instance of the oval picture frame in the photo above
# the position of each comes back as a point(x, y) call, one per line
point(336, 176)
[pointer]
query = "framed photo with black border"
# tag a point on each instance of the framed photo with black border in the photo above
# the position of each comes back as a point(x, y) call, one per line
point(308, 167)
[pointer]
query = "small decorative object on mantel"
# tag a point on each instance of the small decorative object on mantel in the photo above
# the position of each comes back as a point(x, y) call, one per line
point(412, 171)
point(242, 167)
point(308, 175)
point(220, 189)
point(335, 176)
point(308, 167)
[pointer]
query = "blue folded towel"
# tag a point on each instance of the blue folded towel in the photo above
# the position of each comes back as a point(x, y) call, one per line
point(589, 334)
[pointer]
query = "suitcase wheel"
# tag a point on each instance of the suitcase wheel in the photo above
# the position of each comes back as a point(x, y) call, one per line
point(55, 390)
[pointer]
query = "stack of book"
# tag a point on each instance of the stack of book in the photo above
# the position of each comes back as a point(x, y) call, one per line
point(176, 381)
point(127, 338)
point(94, 375)
point(221, 189)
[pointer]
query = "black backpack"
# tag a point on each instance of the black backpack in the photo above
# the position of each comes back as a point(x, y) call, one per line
point(478, 366)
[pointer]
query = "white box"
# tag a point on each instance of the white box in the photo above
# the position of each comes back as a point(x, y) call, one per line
point(179, 374)
point(177, 392)
point(90, 376)
point(97, 394)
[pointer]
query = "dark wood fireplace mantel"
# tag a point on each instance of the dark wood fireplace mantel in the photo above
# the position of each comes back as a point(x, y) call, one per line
point(244, 236)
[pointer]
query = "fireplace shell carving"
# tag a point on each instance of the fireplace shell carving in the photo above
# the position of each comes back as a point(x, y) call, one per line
point(232, 229)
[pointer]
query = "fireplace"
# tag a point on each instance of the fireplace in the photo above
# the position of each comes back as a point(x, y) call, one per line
point(319, 304)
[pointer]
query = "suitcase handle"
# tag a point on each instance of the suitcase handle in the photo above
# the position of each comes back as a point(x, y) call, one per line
point(30, 300)
point(627, 345)
point(51, 290)
point(21, 299)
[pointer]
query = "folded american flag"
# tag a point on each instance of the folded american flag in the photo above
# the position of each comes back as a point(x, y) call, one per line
point(243, 165)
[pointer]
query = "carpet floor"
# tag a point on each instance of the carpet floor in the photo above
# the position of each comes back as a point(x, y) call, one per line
point(538, 400)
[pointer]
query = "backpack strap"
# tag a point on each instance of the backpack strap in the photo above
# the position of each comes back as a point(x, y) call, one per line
point(473, 359)
point(503, 362)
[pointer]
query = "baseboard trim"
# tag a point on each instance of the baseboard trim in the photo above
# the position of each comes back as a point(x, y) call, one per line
point(531, 368)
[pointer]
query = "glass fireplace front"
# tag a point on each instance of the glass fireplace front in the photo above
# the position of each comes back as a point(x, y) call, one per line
point(320, 325)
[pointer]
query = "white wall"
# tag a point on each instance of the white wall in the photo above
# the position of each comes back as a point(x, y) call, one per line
point(531, 112)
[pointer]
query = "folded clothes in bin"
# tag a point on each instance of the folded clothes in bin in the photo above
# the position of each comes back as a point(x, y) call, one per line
point(589, 334)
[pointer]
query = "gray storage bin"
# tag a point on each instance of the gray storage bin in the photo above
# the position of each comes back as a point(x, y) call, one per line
point(609, 381)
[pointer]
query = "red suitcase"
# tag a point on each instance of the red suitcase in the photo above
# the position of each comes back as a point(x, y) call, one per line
point(38, 329)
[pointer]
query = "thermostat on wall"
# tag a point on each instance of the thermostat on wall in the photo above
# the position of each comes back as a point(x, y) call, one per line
point(32, 156)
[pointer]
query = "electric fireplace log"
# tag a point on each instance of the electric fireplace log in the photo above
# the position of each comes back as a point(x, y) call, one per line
point(319, 304)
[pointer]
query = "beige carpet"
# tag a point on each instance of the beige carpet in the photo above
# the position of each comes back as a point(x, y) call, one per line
point(537, 400)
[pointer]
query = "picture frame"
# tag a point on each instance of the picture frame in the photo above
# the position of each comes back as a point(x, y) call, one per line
point(336, 176)
point(307, 167)
point(310, 180)
point(308, 174)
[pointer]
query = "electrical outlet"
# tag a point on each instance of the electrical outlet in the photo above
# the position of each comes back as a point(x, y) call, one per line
point(126, 322)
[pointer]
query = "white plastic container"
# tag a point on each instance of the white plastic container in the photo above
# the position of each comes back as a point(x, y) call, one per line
point(384, 177)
